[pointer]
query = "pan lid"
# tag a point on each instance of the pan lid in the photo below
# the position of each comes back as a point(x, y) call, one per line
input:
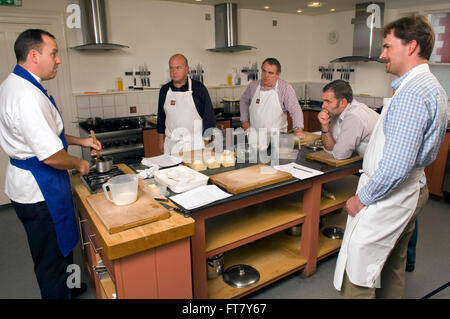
point(241, 276)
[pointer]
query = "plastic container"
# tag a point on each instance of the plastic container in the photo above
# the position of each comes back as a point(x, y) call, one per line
point(230, 79)
point(180, 178)
point(119, 84)
point(123, 189)
point(155, 189)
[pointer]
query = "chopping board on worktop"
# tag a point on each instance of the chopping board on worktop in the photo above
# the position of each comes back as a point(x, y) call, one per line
point(309, 138)
point(248, 178)
point(119, 218)
point(327, 158)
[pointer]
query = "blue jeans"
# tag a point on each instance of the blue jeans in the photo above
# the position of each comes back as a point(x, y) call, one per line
point(411, 252)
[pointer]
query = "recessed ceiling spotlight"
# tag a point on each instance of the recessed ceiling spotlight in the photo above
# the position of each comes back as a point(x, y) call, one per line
point(332, 10)
point(315, 4)
point(266, 7)
point(198, 0)
point(299, 11)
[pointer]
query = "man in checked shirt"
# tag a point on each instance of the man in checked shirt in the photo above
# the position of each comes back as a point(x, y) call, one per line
point(392, 188)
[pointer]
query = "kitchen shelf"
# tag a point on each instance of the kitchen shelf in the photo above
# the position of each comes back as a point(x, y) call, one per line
point(274, 257)
point(327, 246)
point(237, 228)
point(108, 288)
point(258, 220)
point(343, 189)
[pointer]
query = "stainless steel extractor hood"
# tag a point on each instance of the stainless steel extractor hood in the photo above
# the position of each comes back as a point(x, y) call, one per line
point(225, 15)
point(93, 27)
point(367, 37)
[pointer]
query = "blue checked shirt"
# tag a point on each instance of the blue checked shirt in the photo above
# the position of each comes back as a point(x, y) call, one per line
point(414, 128)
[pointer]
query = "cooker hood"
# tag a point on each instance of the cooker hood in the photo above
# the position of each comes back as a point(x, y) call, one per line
point(93, 27)
point(367, 37)
point(225, 15)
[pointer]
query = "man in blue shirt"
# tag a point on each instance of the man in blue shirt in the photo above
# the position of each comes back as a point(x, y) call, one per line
point(405, 140)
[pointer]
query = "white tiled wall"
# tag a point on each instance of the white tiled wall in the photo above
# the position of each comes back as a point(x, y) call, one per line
point(117, 105)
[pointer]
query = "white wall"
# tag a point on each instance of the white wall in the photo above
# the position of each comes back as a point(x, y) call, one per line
point(154, 30)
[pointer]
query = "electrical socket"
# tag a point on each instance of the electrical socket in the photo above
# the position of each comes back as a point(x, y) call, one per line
point(133, 109)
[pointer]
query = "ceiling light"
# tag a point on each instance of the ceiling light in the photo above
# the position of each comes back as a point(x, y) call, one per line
point(266, 7)
point(198, 0)
point(299, 11)
point(332, 10)
point(315, 4)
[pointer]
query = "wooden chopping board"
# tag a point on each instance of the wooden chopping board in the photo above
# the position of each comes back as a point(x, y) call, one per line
point(328, 158)
point(245, 179)
point(119, 218)
point(309, 137)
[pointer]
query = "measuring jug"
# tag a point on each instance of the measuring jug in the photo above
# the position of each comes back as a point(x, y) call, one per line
point(123, 189)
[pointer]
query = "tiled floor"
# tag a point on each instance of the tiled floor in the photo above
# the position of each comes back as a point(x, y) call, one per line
point(432, 266)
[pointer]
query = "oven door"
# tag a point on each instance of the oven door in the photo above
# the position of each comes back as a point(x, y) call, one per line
point(127, 157)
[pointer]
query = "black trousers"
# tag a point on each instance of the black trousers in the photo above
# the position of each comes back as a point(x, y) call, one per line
point(50, 266)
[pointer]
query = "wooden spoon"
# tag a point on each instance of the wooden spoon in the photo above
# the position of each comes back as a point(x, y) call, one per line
point(98, 152)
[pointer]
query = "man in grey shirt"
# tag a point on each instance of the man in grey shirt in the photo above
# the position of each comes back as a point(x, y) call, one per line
point(265, 102)
point(346, 123)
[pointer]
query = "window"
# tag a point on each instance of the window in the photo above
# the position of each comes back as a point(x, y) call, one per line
point(441, 25)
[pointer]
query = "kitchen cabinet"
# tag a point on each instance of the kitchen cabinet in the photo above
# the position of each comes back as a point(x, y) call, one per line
point(223, 124)
point(311, 122)
point(249, 229)
point(151, 142)
point(148, 261)
point(435, 172)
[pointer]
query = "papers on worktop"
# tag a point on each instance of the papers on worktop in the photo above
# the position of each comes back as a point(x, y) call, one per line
point(298, 171)
point(200, 196)
point(161, 160)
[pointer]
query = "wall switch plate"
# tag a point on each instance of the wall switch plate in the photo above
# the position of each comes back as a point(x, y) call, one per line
point(133, 109)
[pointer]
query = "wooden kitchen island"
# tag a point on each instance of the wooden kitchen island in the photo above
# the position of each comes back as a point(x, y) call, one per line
point(149, 261)
point(167, 258)
point(249, 228)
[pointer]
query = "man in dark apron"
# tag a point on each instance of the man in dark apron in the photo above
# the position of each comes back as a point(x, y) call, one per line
point(37, 181)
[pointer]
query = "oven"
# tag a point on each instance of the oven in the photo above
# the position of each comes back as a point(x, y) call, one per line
point(121, 138)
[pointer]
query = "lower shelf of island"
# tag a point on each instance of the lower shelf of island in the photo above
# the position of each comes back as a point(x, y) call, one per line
point(254, 236)
point(274, 257)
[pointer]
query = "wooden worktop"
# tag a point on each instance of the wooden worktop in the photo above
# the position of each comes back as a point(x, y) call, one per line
point(136, 239)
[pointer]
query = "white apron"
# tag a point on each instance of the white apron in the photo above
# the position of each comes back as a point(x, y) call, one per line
point(266, 113)
point(184, 126)
point(372, 233)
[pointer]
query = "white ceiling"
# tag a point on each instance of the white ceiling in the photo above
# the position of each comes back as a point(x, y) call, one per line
point(291, 6)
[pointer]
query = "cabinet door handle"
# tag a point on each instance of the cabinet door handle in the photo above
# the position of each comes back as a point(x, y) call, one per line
point(99, 269)
point(81, 232)
point(92, 243)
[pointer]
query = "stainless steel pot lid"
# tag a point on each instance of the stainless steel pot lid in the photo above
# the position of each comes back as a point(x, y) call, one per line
point(333, 232)
point(241, 276)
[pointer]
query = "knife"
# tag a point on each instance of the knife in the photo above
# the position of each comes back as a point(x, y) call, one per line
point(301, 169)
point(178, 210)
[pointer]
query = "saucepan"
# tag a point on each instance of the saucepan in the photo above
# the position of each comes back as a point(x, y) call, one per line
point(90, 120)
point(102, 164)
point(230, 105)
